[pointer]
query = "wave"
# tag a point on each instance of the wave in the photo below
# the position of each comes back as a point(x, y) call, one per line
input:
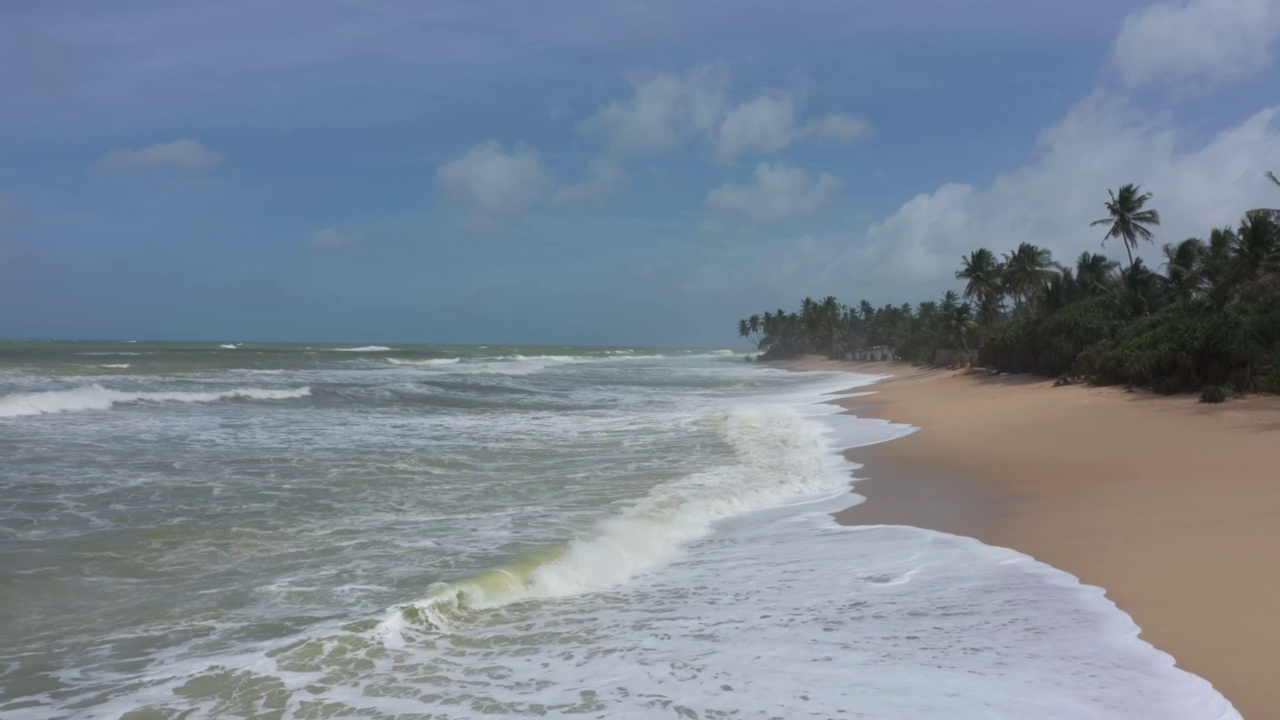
point(96, 397)
point(783, 457)
point(366, 348)
point(429, 361)
point(116, 366)
point(228, 346)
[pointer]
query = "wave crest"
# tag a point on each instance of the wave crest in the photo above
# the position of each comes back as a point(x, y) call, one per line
point(96, 397)
point(783, 457)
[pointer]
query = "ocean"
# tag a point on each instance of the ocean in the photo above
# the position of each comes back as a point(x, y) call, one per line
point(305, 531)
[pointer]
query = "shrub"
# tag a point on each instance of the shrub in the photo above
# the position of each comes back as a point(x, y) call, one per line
point(1061, 337)
point(1214, 394)
point(1179, 349)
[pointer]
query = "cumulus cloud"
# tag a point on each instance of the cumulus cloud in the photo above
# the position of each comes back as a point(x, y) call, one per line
point(332, 238)
point(1100, 144)
point(490, 184)
point(1199, 40)
point(839, 126)
point(666, 111)
point(187, 155)
point(602, 178)
point(672, 110)
point(766, 124)
point(776, 192)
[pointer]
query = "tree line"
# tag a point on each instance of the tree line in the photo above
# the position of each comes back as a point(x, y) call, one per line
point(1207, 317)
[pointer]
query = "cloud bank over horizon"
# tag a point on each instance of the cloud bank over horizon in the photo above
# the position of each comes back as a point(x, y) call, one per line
point(611, 192)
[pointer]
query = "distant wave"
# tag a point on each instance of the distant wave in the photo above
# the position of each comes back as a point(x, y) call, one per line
point(228, 346)
point(429, 361)
point(366, 348)
point(115, 366)
point(96, 397)
point(103, 354)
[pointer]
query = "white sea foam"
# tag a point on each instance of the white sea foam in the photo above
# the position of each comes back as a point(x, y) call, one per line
point(366, 348)
point(116, 366)
point(428, 361)
point(97, 397)
point(784, 454)
point(228, 346)
point(662, 598)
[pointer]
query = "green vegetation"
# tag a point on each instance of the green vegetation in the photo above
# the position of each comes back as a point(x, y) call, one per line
point(1215, 394)
point(1208, 319)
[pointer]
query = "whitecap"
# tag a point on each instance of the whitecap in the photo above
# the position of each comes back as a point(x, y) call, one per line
point(97, 397)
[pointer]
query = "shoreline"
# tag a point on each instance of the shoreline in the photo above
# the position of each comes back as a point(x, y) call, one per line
point(1167, 504)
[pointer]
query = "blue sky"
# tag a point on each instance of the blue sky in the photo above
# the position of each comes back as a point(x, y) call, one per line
point(585, 172)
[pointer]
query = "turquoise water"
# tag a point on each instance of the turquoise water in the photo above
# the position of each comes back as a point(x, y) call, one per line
point(241, 530)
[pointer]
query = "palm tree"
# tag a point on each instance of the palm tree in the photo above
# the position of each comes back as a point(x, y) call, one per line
point(743, 330)
point(1256, 249)
point(1216, 272)
point(957, 323)
point(1139, 287)
point(985, 282)
point(1128, 220)
point(1094, 272)
point(1026, 271)
point(832, 331)
point(1182, 267)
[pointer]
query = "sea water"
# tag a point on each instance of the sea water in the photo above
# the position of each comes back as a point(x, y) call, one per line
point(376, 531)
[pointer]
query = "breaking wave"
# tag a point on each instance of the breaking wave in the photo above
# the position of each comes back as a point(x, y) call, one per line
point(429, 361)
point(96, 397)
point(366, 348)
point(783, 457)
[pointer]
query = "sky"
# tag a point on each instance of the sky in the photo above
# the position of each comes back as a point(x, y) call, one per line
point(578, 172)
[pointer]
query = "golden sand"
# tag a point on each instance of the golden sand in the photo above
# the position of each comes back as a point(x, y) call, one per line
point(1170, 505)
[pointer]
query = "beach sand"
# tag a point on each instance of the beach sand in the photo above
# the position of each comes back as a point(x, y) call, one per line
point(1171, 505)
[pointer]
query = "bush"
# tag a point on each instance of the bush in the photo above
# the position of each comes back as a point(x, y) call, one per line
point(1061, 337)
point(1214, 394)
point(1182, 348)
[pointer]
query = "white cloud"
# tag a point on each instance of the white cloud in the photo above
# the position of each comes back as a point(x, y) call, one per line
point(1203, 40)
point(188, 155)
point(912, 254)
point(331, 238)
point(490, 184)
point(1100, 144)
point(776, 192)
point(664, 112)
point(603, 177)
point(839, 126)
point(763, 125)
point(672, 110)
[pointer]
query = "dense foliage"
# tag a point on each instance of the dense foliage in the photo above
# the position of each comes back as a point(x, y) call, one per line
point(1209, 317)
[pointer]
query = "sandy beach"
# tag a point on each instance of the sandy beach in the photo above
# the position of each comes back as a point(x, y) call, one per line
point(1170, 505)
